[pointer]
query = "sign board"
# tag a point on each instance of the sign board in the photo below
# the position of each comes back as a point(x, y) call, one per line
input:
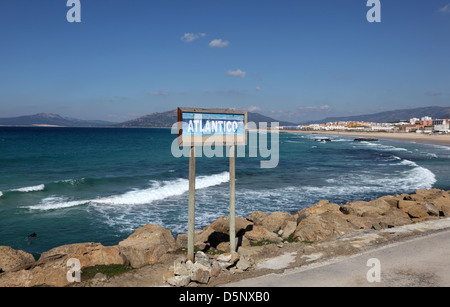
point(218, 127)
point(199, 126)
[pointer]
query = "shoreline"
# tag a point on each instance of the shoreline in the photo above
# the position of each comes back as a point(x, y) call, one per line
point(323, 230)
point(411, 137)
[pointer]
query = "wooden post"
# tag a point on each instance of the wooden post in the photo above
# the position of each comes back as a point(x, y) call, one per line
point(232, 200)
point(191, 218)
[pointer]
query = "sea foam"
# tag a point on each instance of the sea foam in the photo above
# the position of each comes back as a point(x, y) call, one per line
point(56, 202)
point(158, 190)
point(35, 188)
point(161, 190)
point(414, 177)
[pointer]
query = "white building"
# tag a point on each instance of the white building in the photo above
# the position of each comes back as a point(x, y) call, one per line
point(441, 125)
point(413, 120)
point(381, 127)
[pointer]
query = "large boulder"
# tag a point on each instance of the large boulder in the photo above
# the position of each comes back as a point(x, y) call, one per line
point(277, 221)
point(273, 222)
point(201, 239)
point(439, 199)
point(146, 245)
point(442, 204)
point(391, 200)
point(89, 254)
point(394, 218)
point(320, 207)
point(52, 267)
point(281, 223)
point(20, 278)
point(260, 234)
point(222, 225)
point(11, 259)
point(413, 209)
point(373, 208)
point(323, 227)
point(257, 217)
point(425, 196)
point(360, 222)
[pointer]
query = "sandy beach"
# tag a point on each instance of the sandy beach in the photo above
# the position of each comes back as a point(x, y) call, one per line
point(419, 137)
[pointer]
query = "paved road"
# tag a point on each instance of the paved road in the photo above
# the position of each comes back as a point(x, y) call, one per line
point(421, 261)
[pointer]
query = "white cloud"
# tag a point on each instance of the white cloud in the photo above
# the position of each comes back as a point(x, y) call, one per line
point(160, 93)
point(253, 108)
point(445, 9)
point(236, 73)
point(258, 88)
point(219, 43)
point(189, 37)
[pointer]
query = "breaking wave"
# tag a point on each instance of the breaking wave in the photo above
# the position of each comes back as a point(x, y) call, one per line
point(157, 191)
point(161, 190)
point(35, 188)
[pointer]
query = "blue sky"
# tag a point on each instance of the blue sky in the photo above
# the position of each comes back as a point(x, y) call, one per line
point(292, 60)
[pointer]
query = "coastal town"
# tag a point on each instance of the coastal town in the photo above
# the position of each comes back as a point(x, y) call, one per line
point(425, 124)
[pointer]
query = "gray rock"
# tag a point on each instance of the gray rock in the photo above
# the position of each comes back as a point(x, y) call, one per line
point(180, 269)
point(179, 281)
point(224, 257)
point(202, 258)
point(200, 273)
point(215, 268)
point(245, 263)
point(431, 209)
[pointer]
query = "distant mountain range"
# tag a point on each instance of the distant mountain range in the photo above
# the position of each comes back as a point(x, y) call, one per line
point(168, 118)
point(390, 116)
point(154, 120)
point(48, 119)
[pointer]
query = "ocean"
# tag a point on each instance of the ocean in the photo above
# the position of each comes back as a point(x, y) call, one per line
point(73, 185)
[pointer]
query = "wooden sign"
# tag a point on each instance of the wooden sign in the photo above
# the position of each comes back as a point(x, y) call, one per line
point(198, 127)
point(218, 127)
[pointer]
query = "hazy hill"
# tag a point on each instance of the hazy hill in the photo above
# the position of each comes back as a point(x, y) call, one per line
point(154, 120)
point(390, 116)
point(168, 118)
point(50, 120)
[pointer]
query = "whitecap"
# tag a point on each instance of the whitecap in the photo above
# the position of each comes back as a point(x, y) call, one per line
point(432, 155)
point(57, 202)
point(35, 188)
point(161, 190)
point(413, 178)
point(407, 162)
point(441, 147)
point(341, 140)
point(383, 147)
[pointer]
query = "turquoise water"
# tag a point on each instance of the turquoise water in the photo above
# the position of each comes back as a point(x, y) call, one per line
point(71, 185)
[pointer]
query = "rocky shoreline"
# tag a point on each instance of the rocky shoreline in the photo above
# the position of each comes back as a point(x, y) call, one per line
point(153, 251)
